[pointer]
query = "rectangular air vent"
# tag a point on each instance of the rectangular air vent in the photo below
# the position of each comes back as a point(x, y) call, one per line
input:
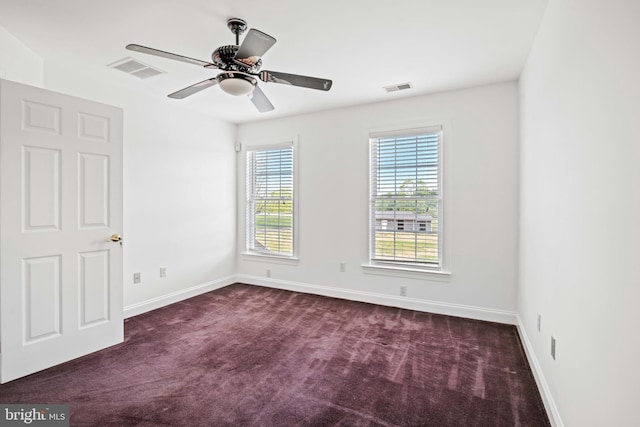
point(396, 88)
point(135, 68)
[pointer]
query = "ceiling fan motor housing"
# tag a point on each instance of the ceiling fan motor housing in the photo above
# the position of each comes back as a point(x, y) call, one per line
point(224, 58)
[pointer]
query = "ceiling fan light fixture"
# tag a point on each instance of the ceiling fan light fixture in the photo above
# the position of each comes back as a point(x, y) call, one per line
point(236, 84)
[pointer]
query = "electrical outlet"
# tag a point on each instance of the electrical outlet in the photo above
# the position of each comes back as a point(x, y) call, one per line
point(553, 348)
point(268, 272)
point(403, 291)
point(163, 271)
point(136, 278)
point(539, 322)
point(343, 267)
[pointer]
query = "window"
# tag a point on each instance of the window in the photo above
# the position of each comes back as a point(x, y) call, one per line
point(406, 190)
point(270, 201)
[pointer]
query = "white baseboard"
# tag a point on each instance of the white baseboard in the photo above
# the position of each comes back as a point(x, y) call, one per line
point(470, 312)
point(161, 301)
point(543, 387)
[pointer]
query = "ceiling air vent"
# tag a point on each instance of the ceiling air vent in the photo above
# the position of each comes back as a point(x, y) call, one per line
point(135, 68)
point(396, 88)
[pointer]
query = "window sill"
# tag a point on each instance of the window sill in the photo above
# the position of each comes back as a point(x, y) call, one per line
point(279, 259)
point(396, 270)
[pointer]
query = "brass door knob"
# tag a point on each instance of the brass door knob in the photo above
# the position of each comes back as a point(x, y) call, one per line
point(115, 238)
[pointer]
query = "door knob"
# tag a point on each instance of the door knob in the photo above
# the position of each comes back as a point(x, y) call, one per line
point(116, 238)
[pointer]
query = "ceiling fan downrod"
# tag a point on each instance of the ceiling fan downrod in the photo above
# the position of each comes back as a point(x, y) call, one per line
point(237, 27)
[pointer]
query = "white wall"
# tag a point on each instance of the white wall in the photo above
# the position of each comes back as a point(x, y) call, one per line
point(19, 63)
point(580, 209)
point(179, 189)
point(481, 207)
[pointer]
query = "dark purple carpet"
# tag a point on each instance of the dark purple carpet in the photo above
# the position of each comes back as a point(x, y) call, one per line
point(252, 356)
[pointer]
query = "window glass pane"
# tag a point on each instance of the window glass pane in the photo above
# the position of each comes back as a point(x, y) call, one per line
point(405, 196)
point(270, 201)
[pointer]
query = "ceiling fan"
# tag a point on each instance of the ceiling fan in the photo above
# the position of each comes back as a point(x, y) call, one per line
point(240, 65)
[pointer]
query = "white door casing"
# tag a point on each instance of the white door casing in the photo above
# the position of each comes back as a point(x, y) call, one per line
point(60, 201)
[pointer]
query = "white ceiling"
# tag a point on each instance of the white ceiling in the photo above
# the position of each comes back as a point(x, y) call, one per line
point(362, 45)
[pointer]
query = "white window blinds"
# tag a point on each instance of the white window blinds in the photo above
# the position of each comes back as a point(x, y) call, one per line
point(406, 197)
point(270, 201)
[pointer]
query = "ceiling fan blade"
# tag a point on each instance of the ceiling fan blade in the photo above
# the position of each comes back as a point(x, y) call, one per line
point(260, 100)
point(169, 55)
point(187, 91)
point(255, 44)
point(295, 80)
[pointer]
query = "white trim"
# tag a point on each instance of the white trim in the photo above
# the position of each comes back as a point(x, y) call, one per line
point(389, 132)
point(433, 122)
point(398, 270)
point(543, 387)
point(173, 297)
point(273, 144)
point(459, 310)
point(257, 256)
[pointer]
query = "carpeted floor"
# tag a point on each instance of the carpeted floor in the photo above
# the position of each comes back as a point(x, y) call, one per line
point(251, 356)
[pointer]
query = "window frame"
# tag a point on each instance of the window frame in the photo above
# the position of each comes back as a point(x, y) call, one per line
point(249, 221)
point(439, 270)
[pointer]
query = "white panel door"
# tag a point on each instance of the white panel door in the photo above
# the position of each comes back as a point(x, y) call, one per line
point(60, 201)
